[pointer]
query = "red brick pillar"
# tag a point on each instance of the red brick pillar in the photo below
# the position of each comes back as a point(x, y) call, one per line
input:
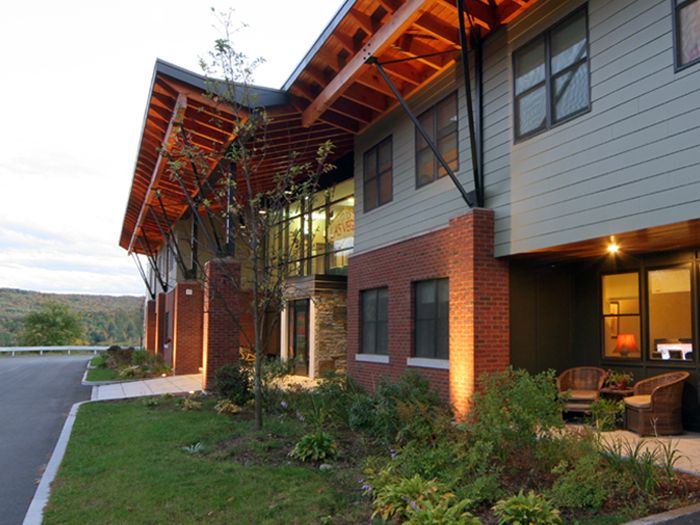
point(161, 328)
point(149, 339)
point(479, 298)
point(187, 328)
point(221, 326)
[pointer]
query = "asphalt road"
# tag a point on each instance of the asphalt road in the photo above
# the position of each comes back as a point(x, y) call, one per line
point(36, 394)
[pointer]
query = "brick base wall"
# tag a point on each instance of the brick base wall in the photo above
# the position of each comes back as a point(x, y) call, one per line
point(149, 325)
point(478, 283)
point(221, 327)
point(187, 323)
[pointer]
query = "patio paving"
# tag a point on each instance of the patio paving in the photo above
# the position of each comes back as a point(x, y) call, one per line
point(148, 387)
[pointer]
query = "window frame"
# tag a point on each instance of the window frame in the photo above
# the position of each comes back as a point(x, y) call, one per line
point(375, 322)
point(549, 78)
point(378, 201)
point(676, 6)
point(435, 319)
point(436, 165)
point(641, 315)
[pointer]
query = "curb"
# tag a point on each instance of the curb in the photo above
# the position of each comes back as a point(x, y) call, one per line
point(665, 517)
point(35, 512)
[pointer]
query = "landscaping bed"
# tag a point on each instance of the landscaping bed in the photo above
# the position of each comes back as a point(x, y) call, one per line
point(125, 364)
point(337, 455)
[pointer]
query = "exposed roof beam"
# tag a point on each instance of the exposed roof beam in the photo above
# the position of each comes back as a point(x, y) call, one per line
point(383, 38)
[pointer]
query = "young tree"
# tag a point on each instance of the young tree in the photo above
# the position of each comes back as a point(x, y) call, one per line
point(253, 203)
point(53, 324)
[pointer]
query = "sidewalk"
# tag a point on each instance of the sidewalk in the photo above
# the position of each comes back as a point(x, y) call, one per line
point(148, 387)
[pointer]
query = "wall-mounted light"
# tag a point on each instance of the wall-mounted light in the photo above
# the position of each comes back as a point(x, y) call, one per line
point(613, 247)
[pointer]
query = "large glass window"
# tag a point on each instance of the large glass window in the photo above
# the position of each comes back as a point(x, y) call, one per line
point(377, 175)
point(375, 333)
point(621, 321)
point(440, 122)
point(670, 314)
point(687, 32)
point(432, 312)
point(317, 234)
point(551, 76)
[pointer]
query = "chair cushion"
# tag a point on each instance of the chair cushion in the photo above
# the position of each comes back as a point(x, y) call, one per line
point(583, 395)
point(638, 401)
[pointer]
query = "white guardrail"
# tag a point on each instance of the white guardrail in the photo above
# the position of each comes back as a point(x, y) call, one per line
point(41, 349)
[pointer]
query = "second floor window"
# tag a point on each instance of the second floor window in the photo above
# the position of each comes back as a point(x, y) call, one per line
point(377, 175)
point(552, 77)
point(687, 36)
point(440, 122)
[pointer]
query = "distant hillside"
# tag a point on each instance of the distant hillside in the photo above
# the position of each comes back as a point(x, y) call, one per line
point(107, 319)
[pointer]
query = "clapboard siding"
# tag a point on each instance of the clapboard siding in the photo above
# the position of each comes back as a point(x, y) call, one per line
point(632, 161)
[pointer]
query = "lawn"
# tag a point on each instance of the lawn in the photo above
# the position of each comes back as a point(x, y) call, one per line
point(102, 374)
point(125, 464)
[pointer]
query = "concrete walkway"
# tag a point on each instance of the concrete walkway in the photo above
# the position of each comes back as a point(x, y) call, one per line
point(148, 387)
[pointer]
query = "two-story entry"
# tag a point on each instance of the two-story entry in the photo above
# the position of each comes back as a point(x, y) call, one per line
point(547, 217)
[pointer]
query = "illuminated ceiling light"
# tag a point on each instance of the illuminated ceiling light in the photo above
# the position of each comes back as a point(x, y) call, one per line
point(613, 247)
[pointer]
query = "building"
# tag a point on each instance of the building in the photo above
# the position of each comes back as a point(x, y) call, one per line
point(548, 217)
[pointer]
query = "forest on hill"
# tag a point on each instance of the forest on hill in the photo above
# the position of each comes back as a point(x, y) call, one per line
point(106, 319)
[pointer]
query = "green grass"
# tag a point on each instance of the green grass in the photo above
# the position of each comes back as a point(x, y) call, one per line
point(125, 464)
point(102, 374)
point(98, 361)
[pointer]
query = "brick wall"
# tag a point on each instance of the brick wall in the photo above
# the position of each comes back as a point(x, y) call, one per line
point(188, 320)
point(462, 252)
point(150, 325)
point(221, 329)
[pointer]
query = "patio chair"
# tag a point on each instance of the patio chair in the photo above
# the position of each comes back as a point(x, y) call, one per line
point(580, 387)
point(655, 407)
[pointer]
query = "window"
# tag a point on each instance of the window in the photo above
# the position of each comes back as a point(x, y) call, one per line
point(621, 321)
point(687, 32)
point(670, 314)
point(375, 334)
point(551, 79)
point(432, 301)
point(440, 122)
point(377, 175)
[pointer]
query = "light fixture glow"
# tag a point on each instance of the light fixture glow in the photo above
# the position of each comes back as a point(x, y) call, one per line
point(613, 247)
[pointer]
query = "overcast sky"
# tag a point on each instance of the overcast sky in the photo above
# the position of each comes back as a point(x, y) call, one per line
point(75, 79)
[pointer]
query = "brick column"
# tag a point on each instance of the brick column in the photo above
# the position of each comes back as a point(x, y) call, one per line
point(161, 329)
point(150, 325)
point(479, 299)
point(221, 326)
point(187, 334)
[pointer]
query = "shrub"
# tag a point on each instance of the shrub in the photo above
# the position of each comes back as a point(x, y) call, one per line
point(515, 411)
point(131, 372)
point(446, 511)
point(607, 414)
point(116, 356)
point(227, 407)
point(317, 446)
point(151, 402)
point(397, 498)
point(583, 485)
point(235, 383)
point(336, 394)
point(526, 510)
point(187, 404)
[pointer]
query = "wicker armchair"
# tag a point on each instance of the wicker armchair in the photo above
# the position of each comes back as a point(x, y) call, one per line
point(655, 407)
point(580, 387)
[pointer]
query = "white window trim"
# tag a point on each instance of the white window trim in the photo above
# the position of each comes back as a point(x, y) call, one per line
point(426, 362)
point(372, 358)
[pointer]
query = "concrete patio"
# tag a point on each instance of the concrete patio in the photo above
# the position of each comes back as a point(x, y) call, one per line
point(147, 387)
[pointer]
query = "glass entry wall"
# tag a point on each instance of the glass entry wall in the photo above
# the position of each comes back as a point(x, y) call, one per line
point(298, 340)
point(318, 234)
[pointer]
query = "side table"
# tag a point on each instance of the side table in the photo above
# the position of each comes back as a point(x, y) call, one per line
point(616, 393)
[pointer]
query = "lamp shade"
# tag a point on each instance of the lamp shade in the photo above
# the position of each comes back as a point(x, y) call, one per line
point(626, 343)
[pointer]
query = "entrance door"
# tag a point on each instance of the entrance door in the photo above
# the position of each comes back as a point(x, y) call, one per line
point(299, 335)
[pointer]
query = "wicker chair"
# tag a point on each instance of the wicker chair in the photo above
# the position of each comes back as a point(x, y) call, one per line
point(580, 387)
point(655, 407)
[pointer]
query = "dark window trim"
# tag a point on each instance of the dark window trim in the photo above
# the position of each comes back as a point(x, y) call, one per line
point(414, 316)
point(676, 6)
point(376, 147)
point(640, 313)
point(546, 35)
point(436, 166)
point(647, 316)
point(375, 321)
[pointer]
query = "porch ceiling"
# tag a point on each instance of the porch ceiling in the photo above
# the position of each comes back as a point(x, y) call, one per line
point(669, 237)
point(334, 84)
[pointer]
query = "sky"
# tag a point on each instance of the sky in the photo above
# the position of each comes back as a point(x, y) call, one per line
point(75, 77)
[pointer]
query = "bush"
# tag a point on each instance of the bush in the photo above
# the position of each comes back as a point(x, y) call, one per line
point(397, 498)
point(235, 383)
point(583, 485)
point(227, 407)
point(317, 446)
point(526, 510)
point(187, 404)
point(607, 414)
point(117, 357)
point(131, 372)
point(515, 411)
point(447, 511)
